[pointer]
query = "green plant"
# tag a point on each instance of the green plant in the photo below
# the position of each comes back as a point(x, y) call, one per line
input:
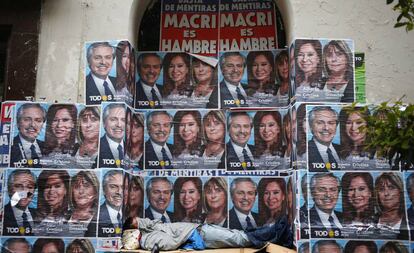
point(406, 17)
point(390, 131)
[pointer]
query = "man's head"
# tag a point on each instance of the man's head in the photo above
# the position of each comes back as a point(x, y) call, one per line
point(323, 121)
point(325, 191)
point(159, 191)
point(232, 66)
point(239, 125)
point(159, 126)
point(114, 121)
point(410, 187)
point(16, 245)
point(304, 187)
point(100, 57)
point(326, 246)
point(22, 181)
point(30, 119)
point(113, 188)
point(243, 194)
point(149, 67)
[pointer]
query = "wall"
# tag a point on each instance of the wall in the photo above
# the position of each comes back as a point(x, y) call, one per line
point(66, 25)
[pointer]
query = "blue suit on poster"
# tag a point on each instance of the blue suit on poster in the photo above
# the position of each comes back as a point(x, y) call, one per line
point(226, 98)
point(151, 156)
point(105, 153)
point(234, 222)
point(233, 158)
point(141, 99)
point(315, 157)
point(92, 90)
point(10, 226)
point(149, 214)
point(16, 154)
point(317, 225)
point(106, 228)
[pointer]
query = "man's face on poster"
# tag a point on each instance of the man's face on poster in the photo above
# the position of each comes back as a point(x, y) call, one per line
point(243, 196)
point(240, 129)
point(30, 123)
point(115, 124)
point(160, 128)
point(101, 61)
point(160, 195)
point(233, 68)
point(150, 69)
point(325, 193)
point(113, 190)
point(23, 183)
point(324, 126)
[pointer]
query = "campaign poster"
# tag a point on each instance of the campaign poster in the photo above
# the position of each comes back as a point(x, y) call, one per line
point(352, 246)
point(360, 77)
point(393, 245)
point(27, 147)
point(159, 202)
point(247, 25)
point(133, 205)
point(190, 26)
point(185, 139)
point(134, 141)
point(80, 245)
point(302, 200)
point(357, 205)
point(111, 216)
point(258, 140)
point(409, 200)
point(324, 70)
point(112, 135)
point(328, 244)
point(5, 130)
point(109, 72)
point(254, 78)
point(17, 244)
point(336, 139)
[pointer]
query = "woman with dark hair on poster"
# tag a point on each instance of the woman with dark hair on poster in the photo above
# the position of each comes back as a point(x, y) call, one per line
point(135, 203)
point(80, 246)
point(177, 82)
point(60, 129)
point(282, 77)
point(268, 139)
point(85, 151)
point(124, 75)
point(272, 200)
point(214, 126)
point(308, 67)
point(135, 140)
point(360, 247)
point(52, 211)
point(393, 247)
point(358, 203)
point(187, 199)
point(389, 193)
point(215, 201)
point(187, 134)
point(205, 81)
point(261, 87)
point(338, 71)
point(84, 197)
point(48, 245)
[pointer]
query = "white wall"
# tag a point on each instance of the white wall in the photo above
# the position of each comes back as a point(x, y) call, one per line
point(66, 25)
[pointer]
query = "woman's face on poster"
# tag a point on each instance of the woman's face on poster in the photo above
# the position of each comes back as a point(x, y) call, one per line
point(214, 129)
point(137, 133)
point(273, 196)
point(353, 127)
point(188, 129)
point(308, 58)
point(135, 195)
point(261, 68)
point(177, 70)
point(359, 194)
point(389, 195)
point(189, 196)
point(215, 196)
point(283, 69)
point(126, 59)
point(50, 248)
point(336, 60)
point(269, 129)
point(202, 71)
point(89, 126)
point(84, 193)
point(55, 191)
point(62, 124)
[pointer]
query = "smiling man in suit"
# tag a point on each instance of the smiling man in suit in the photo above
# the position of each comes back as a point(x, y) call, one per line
point(159, 191)
point(325, 189)
point(243, 194)
point(323, 121)
point(148, 92)
point(18, 218)
point(157, 150)
point(239, 153)
point(111, 152)
point(100, 56)
point(110, 212)
point(26, 146)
